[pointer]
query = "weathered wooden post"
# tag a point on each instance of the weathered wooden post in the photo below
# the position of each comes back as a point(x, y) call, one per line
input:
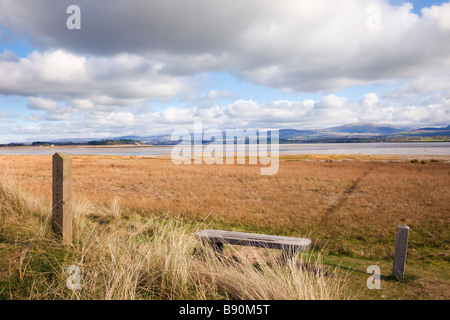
point(62, 196)
point(401, 244)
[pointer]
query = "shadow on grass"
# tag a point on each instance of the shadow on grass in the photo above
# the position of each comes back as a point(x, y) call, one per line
point(408, 279)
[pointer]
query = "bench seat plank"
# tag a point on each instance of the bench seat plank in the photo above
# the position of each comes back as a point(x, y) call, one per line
point(255, 240)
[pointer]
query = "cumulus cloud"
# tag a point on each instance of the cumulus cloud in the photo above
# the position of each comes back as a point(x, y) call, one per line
point(293, 45)
point(328, 111)
point(119, 80)
point(38, 103)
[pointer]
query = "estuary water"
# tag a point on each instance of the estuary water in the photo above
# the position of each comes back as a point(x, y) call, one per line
point(423, 149)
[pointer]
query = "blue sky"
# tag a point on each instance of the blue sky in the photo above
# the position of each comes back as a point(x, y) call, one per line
point(417, 4)
point(144, 67)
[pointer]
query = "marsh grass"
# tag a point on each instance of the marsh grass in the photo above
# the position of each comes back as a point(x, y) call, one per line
point(349, 206)
point(123, 254)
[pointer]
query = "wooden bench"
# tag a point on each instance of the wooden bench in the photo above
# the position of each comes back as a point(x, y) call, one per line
point(290, 246)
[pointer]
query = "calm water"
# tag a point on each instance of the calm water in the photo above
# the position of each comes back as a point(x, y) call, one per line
point(417, 148)
point(116, 151)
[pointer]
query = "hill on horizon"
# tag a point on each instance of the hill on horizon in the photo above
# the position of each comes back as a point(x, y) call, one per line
point(353, 131)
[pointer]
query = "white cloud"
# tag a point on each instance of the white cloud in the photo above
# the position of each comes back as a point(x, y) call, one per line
point(439, 15)
point(426, 84)
point(38, 103)
point(113, 81)
point(34, 117)
point(293, 45)
point(330, 110)
point(218, 94)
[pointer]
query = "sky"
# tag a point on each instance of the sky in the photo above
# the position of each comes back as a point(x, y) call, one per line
point(144, 67)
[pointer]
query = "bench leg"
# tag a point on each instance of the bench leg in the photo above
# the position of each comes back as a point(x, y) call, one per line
point(217, 246)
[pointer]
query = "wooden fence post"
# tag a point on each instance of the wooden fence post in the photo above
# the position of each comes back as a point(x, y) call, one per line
point(401, 243)
point(62, 196)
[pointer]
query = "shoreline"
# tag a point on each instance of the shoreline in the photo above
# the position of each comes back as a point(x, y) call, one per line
point(282, 157)
point(171, 145)
point(85, 146)
point(293, 152)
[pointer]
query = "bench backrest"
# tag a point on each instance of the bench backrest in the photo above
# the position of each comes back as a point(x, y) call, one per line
point(255, 240)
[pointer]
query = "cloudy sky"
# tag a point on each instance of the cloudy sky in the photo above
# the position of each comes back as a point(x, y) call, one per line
point(141, 67)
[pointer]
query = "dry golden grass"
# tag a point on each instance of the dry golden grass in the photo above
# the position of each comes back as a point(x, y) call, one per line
point(349, 208)
point(304, 197)
point(124, 255)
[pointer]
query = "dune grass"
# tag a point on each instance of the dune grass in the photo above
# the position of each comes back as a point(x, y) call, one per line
point(124, 254)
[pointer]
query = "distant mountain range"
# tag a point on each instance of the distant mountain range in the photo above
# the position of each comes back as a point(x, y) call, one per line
point(357, 132)
point(347, 133)
point(364, 132)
